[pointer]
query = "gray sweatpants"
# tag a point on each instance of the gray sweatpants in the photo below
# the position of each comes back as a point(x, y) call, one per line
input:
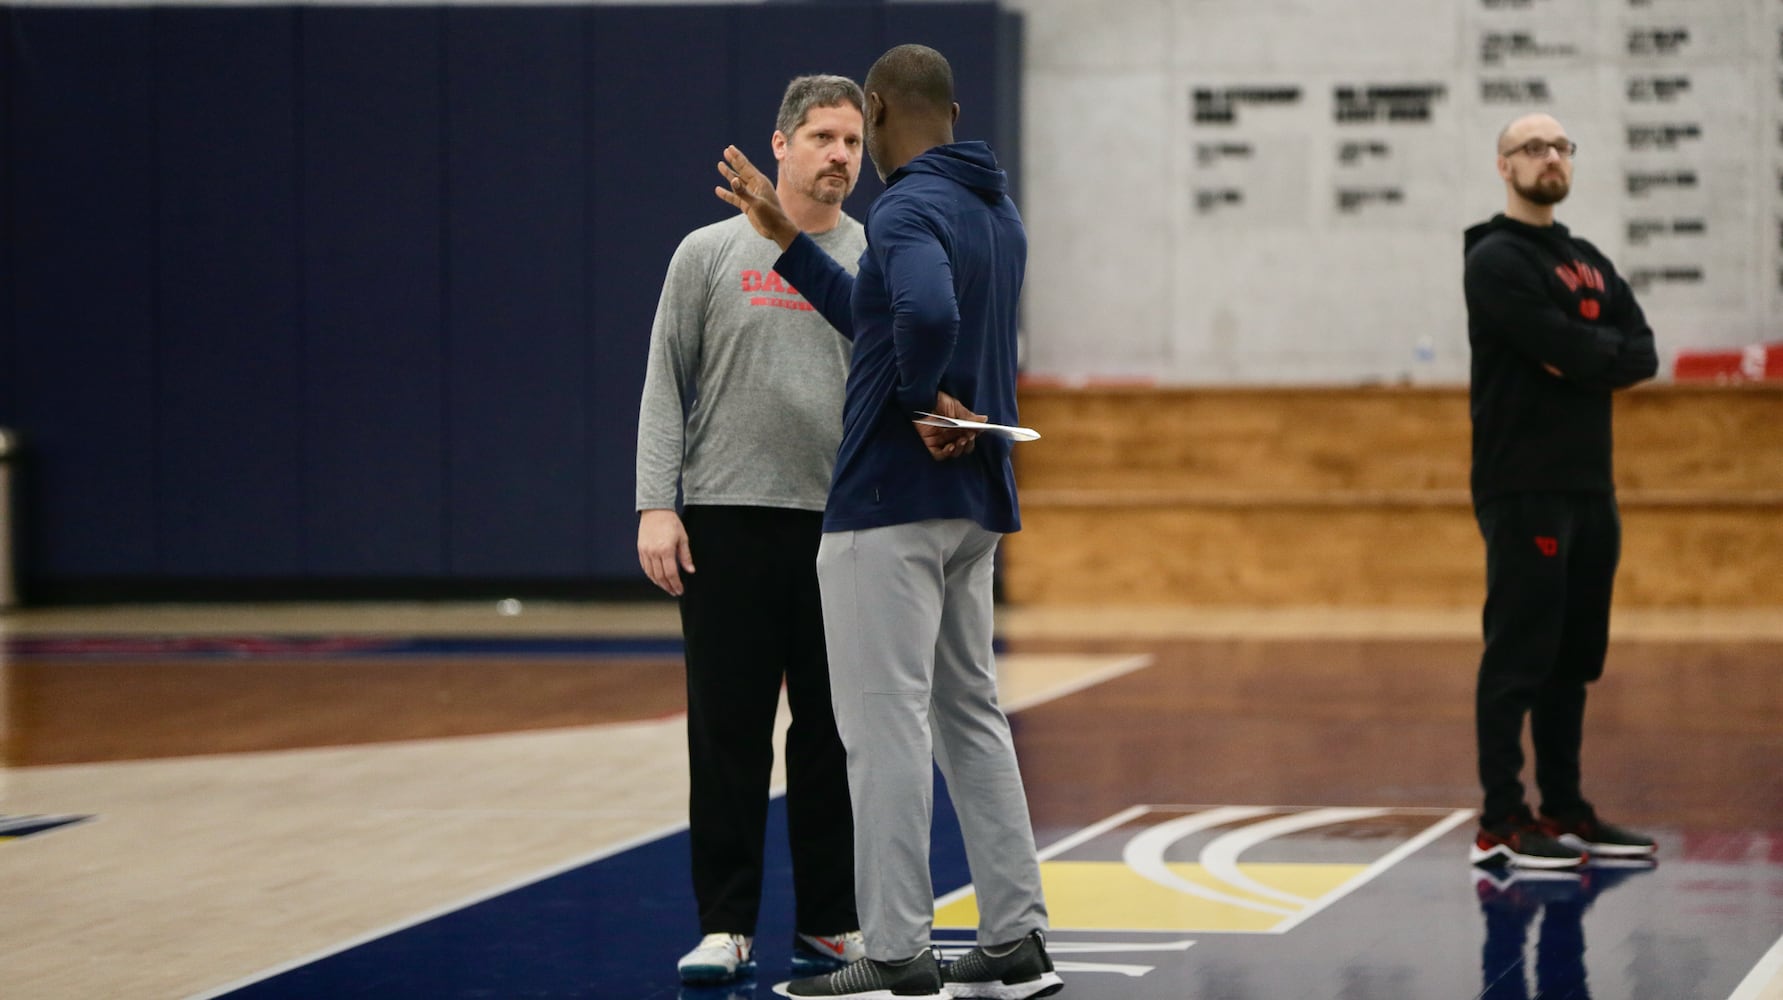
point(907, 616)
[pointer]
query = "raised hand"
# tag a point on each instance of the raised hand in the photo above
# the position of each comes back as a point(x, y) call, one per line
point(750, 192)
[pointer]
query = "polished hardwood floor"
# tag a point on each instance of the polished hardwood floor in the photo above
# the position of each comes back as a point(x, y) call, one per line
point(280, 801)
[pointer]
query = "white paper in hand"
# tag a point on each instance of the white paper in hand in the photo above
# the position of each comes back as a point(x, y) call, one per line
point(1000, 430)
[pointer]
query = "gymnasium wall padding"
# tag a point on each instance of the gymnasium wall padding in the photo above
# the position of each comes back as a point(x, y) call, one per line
point(310, 297)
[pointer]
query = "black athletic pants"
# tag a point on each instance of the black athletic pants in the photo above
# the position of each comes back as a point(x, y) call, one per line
point(1550, 567)
point(751, 616)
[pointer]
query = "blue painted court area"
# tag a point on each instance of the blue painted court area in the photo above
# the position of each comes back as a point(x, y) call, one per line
point(245, 646)
point(612, 928)
point(1427, 925)
point(99, 647)
point(20, 827)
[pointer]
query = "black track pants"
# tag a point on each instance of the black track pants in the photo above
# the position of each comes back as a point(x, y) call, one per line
point(752, 617)
point(1550, 568)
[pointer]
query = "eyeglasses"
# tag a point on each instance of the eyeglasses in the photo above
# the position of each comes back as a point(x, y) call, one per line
point(1537, 149)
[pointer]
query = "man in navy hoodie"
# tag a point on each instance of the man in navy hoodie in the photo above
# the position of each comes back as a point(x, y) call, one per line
point(1554, 331)
point(911, 528)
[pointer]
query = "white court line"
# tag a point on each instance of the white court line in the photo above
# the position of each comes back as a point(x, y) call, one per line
point(1765, 981)
point(1220, 858)
point(1119, 668)
point(1087, 833)
point(1089, 680)
point(1449, 820)
point(442, 910)
point(1110, 672)
point(1144, 855)
point(1093, 831)
point(1117, 968)
point(1111, 947)
point(1385, 862)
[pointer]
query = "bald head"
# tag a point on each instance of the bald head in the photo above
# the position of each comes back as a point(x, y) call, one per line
point(910, 106)
point(1520, 130)
point(914, 78)
point(1535, 160)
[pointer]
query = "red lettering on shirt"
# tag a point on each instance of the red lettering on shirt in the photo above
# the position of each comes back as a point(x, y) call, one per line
point(753, 281)
point(1580, 273)
point(799, 304)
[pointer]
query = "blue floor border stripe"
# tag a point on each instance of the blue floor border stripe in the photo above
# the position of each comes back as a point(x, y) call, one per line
point(99, 647)
point(612, 928)
point(335, 647)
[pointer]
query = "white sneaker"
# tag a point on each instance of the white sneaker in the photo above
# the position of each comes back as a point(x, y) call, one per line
point(815, 954)
point(720, 958)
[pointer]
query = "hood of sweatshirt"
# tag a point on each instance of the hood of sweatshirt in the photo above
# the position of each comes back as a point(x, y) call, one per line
point(971, 164)
point(1476, 233)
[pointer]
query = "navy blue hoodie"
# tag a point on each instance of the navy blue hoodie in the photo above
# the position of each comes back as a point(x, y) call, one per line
point(1554, 330)
point(933, 308)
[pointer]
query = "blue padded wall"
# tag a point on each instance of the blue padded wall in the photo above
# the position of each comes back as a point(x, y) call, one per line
point(658, 117)
point(320, 296)
point(227, 402)
point(516, 166)
point(8, 363)
point(775, 44)
point(371, 191)
point(82, 155)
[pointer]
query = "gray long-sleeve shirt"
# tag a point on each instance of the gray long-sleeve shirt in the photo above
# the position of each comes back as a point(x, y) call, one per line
point(757, 372)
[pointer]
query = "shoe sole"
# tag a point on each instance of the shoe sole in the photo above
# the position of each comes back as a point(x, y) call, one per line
point(1578, 843)
point(714, 975)
point(805, 966)
point(782, 990)
point(1044, 986)
point(1502, 855)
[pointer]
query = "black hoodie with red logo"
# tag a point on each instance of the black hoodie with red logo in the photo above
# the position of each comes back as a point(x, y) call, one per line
point(1554, 330)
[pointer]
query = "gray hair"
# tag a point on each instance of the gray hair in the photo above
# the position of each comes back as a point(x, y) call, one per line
point(807, 92)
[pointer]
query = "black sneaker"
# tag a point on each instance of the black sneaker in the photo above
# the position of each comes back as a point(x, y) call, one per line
point(867, 979)
point(1585, 832)
point(1520, 843)
point(1020, 974)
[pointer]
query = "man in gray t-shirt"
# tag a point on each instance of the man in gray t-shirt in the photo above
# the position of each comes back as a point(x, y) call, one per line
point(742, 413)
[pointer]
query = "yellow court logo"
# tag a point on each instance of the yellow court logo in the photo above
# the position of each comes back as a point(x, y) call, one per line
point(1216, 869)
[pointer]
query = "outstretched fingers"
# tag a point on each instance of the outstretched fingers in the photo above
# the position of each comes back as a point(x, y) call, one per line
point(739, 164)
point(741, 190)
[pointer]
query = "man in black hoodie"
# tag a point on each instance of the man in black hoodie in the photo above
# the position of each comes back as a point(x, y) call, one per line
point(1554, 331)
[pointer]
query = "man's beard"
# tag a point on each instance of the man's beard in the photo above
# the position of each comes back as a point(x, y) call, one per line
point(1545, 190)
point(825, 194)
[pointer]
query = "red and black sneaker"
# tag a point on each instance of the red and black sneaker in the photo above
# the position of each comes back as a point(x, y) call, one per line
point(1520, 843)
point(1585, 832)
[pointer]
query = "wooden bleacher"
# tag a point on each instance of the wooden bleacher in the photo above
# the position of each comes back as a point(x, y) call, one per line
point(1358, 497)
